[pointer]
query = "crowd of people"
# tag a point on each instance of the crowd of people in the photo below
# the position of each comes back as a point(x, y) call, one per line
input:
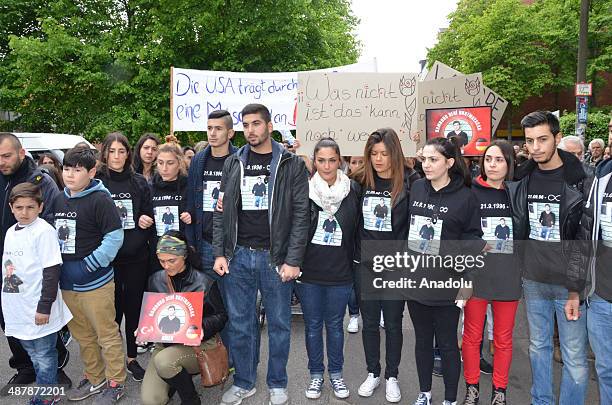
point(84, 238)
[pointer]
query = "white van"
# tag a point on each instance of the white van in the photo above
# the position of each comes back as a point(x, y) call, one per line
point(38, 143)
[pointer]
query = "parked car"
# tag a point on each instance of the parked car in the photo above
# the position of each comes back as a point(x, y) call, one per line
point(38, 143)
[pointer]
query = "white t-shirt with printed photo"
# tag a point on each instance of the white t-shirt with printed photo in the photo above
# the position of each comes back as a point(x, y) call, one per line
point(26, 253)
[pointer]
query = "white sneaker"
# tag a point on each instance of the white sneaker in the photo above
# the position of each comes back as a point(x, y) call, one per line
point(392, 389)
point(423, 399)
point(314, 388)
point(449, 403)
point(353, 325)
point(339, 387)
point(234, 395)
point(369, 385)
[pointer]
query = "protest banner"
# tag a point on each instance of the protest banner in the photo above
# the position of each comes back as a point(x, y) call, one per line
point(196, 93)
point(171, 318)
point(348, 107)
point(471, 126)
point(441, 71)
point(456, 92)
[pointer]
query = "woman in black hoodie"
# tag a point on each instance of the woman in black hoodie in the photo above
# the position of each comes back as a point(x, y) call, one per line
point(132, 198)
point(385, 183)
point(169, 194)
point(499, 282)
point(442, 208)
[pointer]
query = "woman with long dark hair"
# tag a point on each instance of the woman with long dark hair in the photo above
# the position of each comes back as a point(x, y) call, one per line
point(132, 198)
point(327, 271)
point(385, 183)
point(499, 282)
point(443, 211)
point(145, 154)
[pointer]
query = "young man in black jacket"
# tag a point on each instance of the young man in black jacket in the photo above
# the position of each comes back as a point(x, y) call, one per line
point(17, 168)
point(265, 241)
point(551, 181)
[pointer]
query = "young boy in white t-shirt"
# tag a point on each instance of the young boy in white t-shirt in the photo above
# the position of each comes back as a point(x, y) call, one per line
point(33, 308)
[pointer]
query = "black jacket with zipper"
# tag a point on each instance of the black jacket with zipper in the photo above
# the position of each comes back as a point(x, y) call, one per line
point(570, 212)
point(214, 315)
point(288, 204)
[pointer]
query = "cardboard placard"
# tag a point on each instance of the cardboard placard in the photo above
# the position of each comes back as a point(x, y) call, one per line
point(348, 107)
point(171, 318)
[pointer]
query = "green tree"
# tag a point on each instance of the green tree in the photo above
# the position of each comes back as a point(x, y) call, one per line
point(597, 126)
point(99, 65)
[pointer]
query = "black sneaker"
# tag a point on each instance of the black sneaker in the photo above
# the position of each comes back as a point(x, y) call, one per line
point(485, 367)
point(66, 336)
point(112, 393)
point(498, 396)
point(63, 379)
point(85, 389)
point(145, 348)
point(137, 372)
point(23, 377)
point(472, 394)
point(437, 366)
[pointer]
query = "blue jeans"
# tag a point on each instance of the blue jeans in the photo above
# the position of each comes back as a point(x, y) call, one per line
point(599, 323)
point(258, 201)
point(542, 301)
point(43, 353)
point(249, 271)
point(380, 223)
point(545, 232)
point(353, 304)
point(324, 304)
point(329, 237)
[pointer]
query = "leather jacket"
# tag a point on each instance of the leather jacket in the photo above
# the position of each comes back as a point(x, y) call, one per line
point(570, 212)
point(190, 280)
point(288, 201)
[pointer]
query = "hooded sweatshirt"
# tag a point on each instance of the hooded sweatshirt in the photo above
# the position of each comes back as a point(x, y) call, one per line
point(500, 278)
point(94, 238)
point(453, 213)
point(132, 190)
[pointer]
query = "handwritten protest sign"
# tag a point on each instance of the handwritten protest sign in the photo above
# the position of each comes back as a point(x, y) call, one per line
point(441, 71)
point(348, 107)
point(459, 91)
point(196, 93)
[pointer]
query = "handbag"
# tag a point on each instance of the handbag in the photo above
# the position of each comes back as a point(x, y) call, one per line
point(211, 355)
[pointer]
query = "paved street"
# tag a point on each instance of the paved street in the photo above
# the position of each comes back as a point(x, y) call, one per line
point(354, 373)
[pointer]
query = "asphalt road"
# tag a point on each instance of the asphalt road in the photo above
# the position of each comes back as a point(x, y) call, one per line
point(354, 373)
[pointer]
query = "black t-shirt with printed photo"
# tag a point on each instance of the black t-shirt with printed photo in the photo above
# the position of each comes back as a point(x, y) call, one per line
point(212, 180)
point(378, 214)
point(253, 225)
point(543, 254)
point(603, 278)
point(83, 222)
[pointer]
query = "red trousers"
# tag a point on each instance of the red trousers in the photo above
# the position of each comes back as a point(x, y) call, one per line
point(503, 323)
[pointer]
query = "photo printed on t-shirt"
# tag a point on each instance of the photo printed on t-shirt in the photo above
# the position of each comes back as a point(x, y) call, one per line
point(210, 195)
point(544, 221)
point(254, 192)
point(497, 231)
point(377, 211)
point(605, 219)
point(126, 213)
point(328, 231)
point(424, 235)
point(166, 219)
point(66, 233)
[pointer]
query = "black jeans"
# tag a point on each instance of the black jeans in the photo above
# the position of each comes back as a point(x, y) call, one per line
point(130, 283)
point(20, 360)
point(370, 315)
point(441, 321)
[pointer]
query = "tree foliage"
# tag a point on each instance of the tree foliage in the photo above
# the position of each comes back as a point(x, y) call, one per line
point(597, 125)
point(524, 50)
point(92, 66)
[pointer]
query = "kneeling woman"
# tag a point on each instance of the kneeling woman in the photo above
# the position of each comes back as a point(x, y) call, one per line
point(172, 365)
